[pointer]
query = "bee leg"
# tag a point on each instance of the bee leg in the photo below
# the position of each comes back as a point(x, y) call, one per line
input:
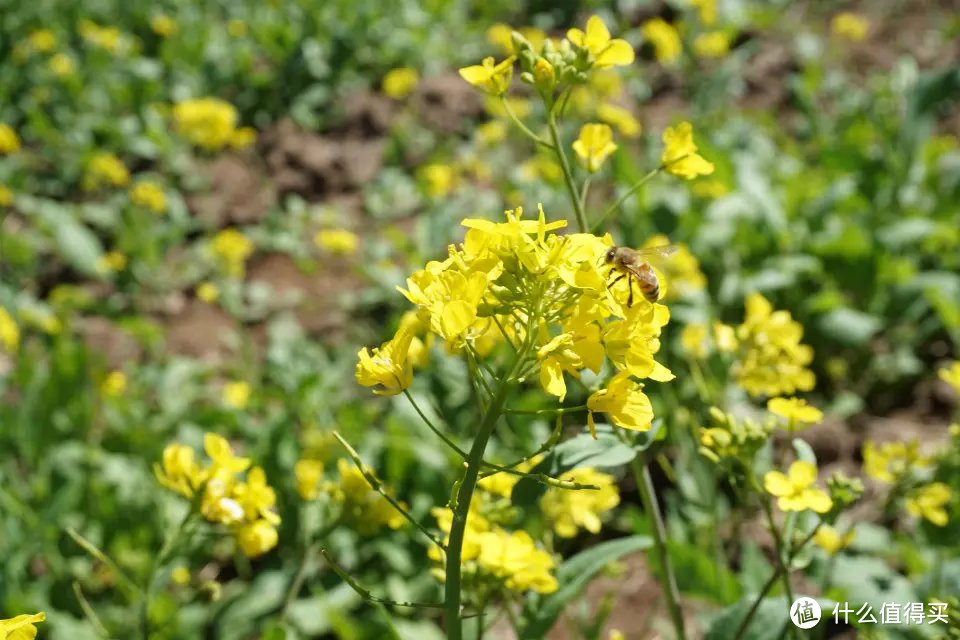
point(630, 297)
point(616, 280)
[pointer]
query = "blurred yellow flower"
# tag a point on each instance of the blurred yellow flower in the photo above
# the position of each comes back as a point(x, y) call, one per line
point(831, 541)
point(951, 375)
point(710, 188)
point(308, 473)
point(604, 50)
point(693, 338)
point(242, 137)
point(163, 25)
point(110, 262)
point(231, 249)
point(622, 119)
point(437, 179)
point(570, 509)
point(42, 40)
point(337, 241)
point(236, 394)
point(149, 194)
point(501, 35)
point(616, 634)
point(257, 537)
point(114, 384)
point(105, 37)
point(209, 123)
point(681, 270)
point(105, 169)
point(928, 502)
point(771, 360)
point(208, 292)
point(665, 39)
point(61, 64)
point(707, 10)
point(6, 196)
point(387, 367)
point(850, 26)
point(514, 557)
point(796, 411)
point(9, 141)
point(237, 28)
point(180, 575)
point(713, 44)
point(889, 461)
point(492, 132)
point(594, 145)
point(400, 82)
point(179, 471)
point(21, 627)
point(9, 331)
point(680, 155)
point(493, 78)
point(624, 401)
point(725, 337)
point(363, 508)
point(796, 490)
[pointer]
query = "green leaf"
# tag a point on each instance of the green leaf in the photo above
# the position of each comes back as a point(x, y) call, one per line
point(804, 451)
point(850, 326)
point(769, 620)
point(541, 612)
point(78, 245)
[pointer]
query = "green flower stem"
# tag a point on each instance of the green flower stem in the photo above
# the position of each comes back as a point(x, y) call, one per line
point(88, 612)
point(308, 551)
point(619, 202)
point(783, 554)
point(517, 121)
point(159, 561)
point(377, 486)
point(447, 441)
point(128, 585)
point(778, 571)
point(567, 175)
point(648, 496)
point(452, 595)
point(540, 412)
point(365, 594)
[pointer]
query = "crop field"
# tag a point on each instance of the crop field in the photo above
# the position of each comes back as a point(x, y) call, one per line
point(427, 319)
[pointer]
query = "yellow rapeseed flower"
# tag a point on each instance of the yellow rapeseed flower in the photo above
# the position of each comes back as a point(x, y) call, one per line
point(61, 64)
point(21, 627)
point(209, 123)
point(308, 474)
point(6, 196)
point(710, 188)
point(9, 141)
point(337, 241)
point(114, 384)
point(707, 10)
point(515, 558)
point(208, 292)
point(928, 502)
point(556, 356)
point(438, 179)
point(796, 490)
point(9, 331)
point(231, 248)
point(798, 413)
point(850, 26)
point(694, 340)
point(616, 634)
point(951, 375)
point(594, 145)
point(493, 78)
point(363, 508)
point(111, 261)
point(831, 541)
point(492, 132)
point(400, 82)
point(567, 510)
point(237, 28)
point(149, 194)
point(622, 119)
point(388, 367)
point(682, 270)
point(236, 394)
point(624, 401)
point(713, 44)
point(42, 40)
point(256, 538)
point(163, 25)
point(604, 50)
point(105, 37)
point(665, 39)
point(105, 169)
point(890, 461)
point(680, 155)
point(180, 575)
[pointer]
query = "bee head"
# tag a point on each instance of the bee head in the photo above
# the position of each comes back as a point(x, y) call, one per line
point(610, 255)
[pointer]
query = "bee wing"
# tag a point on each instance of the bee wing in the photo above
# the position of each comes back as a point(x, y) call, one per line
point(661, 251)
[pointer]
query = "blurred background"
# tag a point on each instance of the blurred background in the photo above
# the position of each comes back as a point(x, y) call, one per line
point(205, 208)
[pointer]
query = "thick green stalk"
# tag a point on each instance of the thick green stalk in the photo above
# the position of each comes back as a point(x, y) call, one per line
point(568, 175)
point(669, 585)
point(458, 528)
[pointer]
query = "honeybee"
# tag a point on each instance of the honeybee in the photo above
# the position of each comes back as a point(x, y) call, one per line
point(630, 264)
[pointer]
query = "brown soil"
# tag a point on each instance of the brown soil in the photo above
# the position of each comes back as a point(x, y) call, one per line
point(201, 331)
point(239, 192)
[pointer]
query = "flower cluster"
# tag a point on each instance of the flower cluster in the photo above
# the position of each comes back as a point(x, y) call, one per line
point(105, 37)
point(9, 140)
point(569, 510)
point(231, 249)
point(771, 359)
point(730, 438)
point(105, 169)
point(362, 507)
point(149, 194)
point(221, 494)
point(211, 123)
point(544, 294)
point(889, 462)
point(9, 331)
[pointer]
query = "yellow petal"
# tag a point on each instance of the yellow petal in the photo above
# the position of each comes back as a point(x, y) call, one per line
point(456, 317)
point(802, 474)
point(777, 484)
point(551, 378)
point(618, 53)
point(597, 33)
